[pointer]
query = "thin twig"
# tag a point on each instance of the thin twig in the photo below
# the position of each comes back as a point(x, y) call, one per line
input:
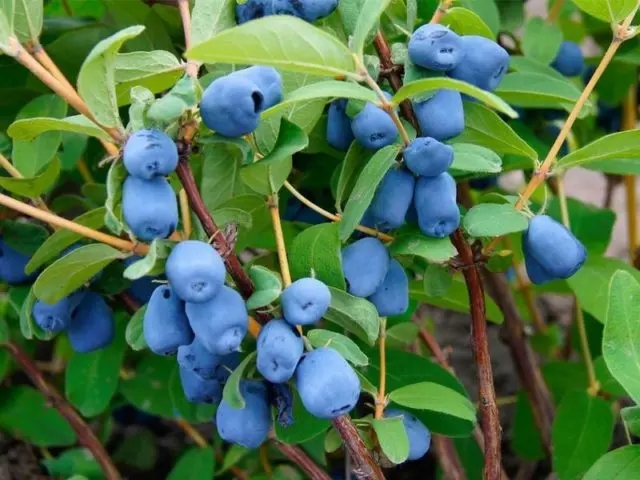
point(185, 213)
point(83, 432)
point(489, 414)
point(15, 173)
point(56, 221)
point(443, 8)
point(303, 461)
point(332, 216)
point(629, 122)
point(364, 466)
point(185, 15)
point(381, 398)
point(554, 12)
point(281, 249)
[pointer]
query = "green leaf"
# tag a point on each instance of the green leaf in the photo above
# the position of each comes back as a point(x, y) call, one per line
point(34, 186)
point(582, 432)
point(74, 461)
point(138, 450)
point(419, 87)
point(267, 175)
point(354, 314)
point(6, 32)
point(233, 456)
point(134, 334)
point(25, 18)
point(5, 333)
point(210, 17)
point(304, 427)
point(618, 464)
point(466, 22)
point(436, 398)
point(23, 299)
point(413, 242)
point(231, 392)
point(539, 91)
point(620, 342)
point(493, 220)
point(96, 80)
point(437, 280)
point(317, 250)
point(115, 178)
point(30, 156)
point(591, 284)
point(268, 287)
point(30, 128)
point(25, 413)
point(616, 146)
point(343, 345)
point(24, 237)
point(171, 106)
point(367, 20)
point(63, 238)
point(403, 333)
point(157, 71)
point(474, 158)
point(220, 180)
point(607, 10)
point(194, 464)
point(521, 64)
point(541, 40)
point(325, 89)
point(365, 188)
point(357, 156)
point(622, 166)
point(631, 418)
point(486, 129)
point(153, 262)
point(71, 272)
point(147, 389)
point(91, 379)
point(280, 41)
point(487, 10)
point(393, 438)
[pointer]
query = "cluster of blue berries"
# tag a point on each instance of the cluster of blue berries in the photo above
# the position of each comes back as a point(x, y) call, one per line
point(149, 204)
point(309, 10)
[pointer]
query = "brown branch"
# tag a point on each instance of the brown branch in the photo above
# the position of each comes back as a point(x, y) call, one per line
point(302, 460)
point(364, 466)
point(445, 450)
point(84, 434)
point(489, 414)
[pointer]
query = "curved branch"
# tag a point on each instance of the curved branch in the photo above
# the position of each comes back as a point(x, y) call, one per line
point(84, 433)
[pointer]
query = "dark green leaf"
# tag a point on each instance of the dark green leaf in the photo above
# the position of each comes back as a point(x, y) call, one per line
point(77, 461)
point(474, 158)
point(413, 242)
point(365, 188)
point(221, 170)
point(304, 427)
point(29, 129)
point(616, 146)
point(354, 314)
point(607, 10)
point(485, 128)
point(541, 40)
point(25, 413)
point(134, 334)
point(147, 389)
point(437, 280)
point(343, 345)
point(72, 271)
point(620, 342)
point(26, 238)
point(138, 450)
point(355, 159)
point(582, 432)
point(194, 464)
point(631, 418)
point(518, 63)
point(280, 41)
point(115, 178)
point(316, 251)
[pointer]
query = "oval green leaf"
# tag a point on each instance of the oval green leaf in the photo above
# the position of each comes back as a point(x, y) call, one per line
point(493, 220)
point(354, 314)
point(436, 398)
point(342, 344)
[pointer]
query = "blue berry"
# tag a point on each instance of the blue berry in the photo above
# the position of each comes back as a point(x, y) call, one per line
point(12, 264)
point(364, 264)
point(373, 127)
point(149, 207)
point(569, 60)
point(248, 426)
point(279, 351)
point(92, 326)
point(485, 63)
point(199, 390)
point(57, 317)
point(150, 153)
point(427, 157)
point(392, 296)
point(197, 358)
point(391, 201)
point(165, 323)
point(435, 201)
point(328, 386)
point(435, 47)
point(419, 436)
point(442, 115)
point(305, 301)
point(196, 271)
point(339, 134)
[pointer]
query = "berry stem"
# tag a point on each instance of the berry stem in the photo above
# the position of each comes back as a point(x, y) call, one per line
point(281, 248)
point(17, 51)
point(60, 222)
point(443, 8)
point(15, 173)
point(185, 14)
point(381, 400)
point(629, 122)
point(185, 213)
point(84, 433)
point(594, 386)
point(332, 216)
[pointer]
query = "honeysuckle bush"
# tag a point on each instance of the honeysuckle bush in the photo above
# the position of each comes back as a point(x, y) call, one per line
point(287, 196)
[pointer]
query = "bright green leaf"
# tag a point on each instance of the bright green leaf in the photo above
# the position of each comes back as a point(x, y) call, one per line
point(30, 128)
point(541, 40)
point(231, 393)
point(413, 242)
point(393, 438)
point(436, 398)
point(343, 345)
point(619, 464)
point(357, 315)
point(616, 146)
point(195, 463)
point(466, 22)
point(367, 20)
point(35, 186)
point(268, 286)
point(493, 220)
point(474, 158)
